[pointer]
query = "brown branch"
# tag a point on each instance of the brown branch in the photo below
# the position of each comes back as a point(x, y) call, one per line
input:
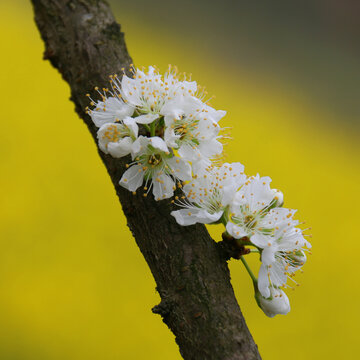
point(84, 42)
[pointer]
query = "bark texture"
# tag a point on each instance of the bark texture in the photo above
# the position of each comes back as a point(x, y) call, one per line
point(84, 42)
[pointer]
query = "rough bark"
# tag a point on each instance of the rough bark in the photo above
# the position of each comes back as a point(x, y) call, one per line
point(84, 42)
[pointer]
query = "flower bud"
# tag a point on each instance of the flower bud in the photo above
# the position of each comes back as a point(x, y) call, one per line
point(277, 303)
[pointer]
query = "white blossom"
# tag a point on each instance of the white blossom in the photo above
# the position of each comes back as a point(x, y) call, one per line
point(117, 138)
point(192, 127)
point(282, 269)
point(109, 110)
point(249, 208)
point(149, 91)
point(154, 163)
point(284, 237)
point(208, 195)
point(282, 251)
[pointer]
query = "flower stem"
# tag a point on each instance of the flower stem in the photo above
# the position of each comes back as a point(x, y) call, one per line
point(152, 129)
point(223, 221)
point(247, 267)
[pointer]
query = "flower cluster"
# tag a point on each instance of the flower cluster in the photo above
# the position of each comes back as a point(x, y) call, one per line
point(252, 212)
point(172, 136)
point(179, 131)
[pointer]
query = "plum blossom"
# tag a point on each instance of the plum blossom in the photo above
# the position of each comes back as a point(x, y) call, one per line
point(117, 138)
point(192, 127)
point(283, 253)
point(153, 162)
point(149, 91)
point(209, 195)
point(109, 110)
point(250, 207)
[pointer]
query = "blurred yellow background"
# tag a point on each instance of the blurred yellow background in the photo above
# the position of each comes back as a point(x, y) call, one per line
point(74, 286)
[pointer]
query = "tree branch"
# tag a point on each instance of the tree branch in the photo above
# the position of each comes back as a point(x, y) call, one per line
point(84, 42)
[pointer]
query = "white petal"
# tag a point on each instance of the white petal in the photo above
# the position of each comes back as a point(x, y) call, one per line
point(187, 217)
point(132, 178)
point(158, 143)
point(120, 109)
point(268, 255)
point(182, 169)
point(190, 85)
point(258, 192)
point(214, 115)
point(146, 119)
point(219, 115)
point(210, 148)
point(278, 274)
point(139, 146)
point(162, 187)
point(262, 241)
point(199, 167)
point(229, 191)
point(115, 109)
point(188, 153)
point(235, 231)
point(120, 148)
point(234, 178)
point(263, 281)
point(206, 218)
point(128, 92)
point(170, 137)
point(172, 110)
point(208, 129)
point(132, 125)
point(236, 167)
point(100, 117)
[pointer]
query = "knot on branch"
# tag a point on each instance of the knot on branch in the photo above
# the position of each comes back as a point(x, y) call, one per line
point(231, 247)
point(164, 308)
point(49, 53)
